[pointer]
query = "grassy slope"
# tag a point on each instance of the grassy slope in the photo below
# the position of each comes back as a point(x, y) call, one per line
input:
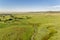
point(48, 28)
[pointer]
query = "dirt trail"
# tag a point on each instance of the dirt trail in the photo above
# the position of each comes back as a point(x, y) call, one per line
point(35, 31)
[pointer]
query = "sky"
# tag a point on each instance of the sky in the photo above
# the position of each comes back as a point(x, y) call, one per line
point(29, 5)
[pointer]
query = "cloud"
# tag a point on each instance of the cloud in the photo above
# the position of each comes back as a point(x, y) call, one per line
point(30, 9)
point(56, 6)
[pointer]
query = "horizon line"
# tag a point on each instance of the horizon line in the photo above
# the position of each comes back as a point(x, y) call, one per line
point(29, 11)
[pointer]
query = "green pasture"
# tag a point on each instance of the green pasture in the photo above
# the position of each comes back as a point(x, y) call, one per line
point(30, 26)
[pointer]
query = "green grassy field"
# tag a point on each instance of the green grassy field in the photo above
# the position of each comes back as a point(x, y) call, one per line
point(30, 26)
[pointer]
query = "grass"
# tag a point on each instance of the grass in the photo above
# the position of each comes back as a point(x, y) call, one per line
point(34, 26)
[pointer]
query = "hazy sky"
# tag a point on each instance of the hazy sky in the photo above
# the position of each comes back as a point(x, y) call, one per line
point(29, 5)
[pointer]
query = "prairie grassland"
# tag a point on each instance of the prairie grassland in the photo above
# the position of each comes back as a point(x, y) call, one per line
point(30, 26)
